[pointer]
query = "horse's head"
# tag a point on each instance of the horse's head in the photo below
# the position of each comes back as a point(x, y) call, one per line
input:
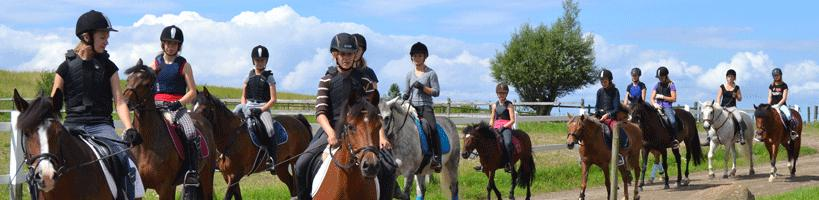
point(707, 109)
point(473, 134)
point(210, 106)
point(578, 128)
point(138, 89)
point(360, 133)
point(763, 114)
point(394, 112)
point(39, 123)
point(637, 110)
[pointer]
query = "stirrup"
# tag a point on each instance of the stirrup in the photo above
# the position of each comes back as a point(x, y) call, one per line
point(191, 178)
point(620, 160)
point(675, 144)
point(794, 135)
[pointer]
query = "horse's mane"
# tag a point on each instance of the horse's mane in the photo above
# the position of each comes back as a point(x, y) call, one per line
point(481, 128)
point(762, 110)
point(139, 67)
point(38, 110)
point(211, 100)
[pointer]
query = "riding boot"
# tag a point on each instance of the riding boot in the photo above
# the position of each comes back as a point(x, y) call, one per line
point(435, 145)
point(271, 151)
point(792, 127)
point(741, 133)
point(191, 179)
point(675, 144)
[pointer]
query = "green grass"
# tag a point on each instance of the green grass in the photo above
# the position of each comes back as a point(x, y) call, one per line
point(807, 192)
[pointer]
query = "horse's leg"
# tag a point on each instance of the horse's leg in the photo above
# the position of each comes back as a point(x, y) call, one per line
point(606, 174)
point(495, 187)
point(166, 192)
point(679, 166)
point(207, 182)
point(229, 190)
point(636, 165)
point(642, 175)
point(287, 179)
point(796, 146)
point(626, 176)
point(584, 170)
point(773, 150)
point(711, 148)
point(664, 155)
point(734, 161)
point(421, 187)
point(407, 184)
point(238, 193)
point(491, 180)
point(514, 183)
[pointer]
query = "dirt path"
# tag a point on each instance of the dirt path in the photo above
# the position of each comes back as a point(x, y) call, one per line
point(807, 173)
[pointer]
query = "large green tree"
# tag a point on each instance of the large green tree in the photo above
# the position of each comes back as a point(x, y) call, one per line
point(544, 63)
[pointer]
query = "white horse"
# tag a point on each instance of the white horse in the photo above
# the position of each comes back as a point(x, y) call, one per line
point(721, 128)
point(403, 134)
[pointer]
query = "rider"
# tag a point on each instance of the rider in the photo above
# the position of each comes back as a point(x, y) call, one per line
point(636, 91)
point(175, 87)
point(334, 88)
point(502, 119)
point(663, 96)
point(258, 96)
point(90, 82)
point(609, 109)
point(422, 85)
point(728, 96)
point(778, 97)
point(361, 64)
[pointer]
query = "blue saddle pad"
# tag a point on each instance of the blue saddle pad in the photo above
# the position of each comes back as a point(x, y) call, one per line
point(441, 134)
point(280, 136)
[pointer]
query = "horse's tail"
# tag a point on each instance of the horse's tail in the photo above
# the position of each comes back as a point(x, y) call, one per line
point(527, 161)
point(449, 174)
point(692, 143)
point(304, 121)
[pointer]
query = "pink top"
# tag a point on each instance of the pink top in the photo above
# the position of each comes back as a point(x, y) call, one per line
point(499, 123)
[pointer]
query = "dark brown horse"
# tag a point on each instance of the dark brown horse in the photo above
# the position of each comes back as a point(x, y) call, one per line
point(657, 138)
point(355, 163)
point(769, 124)
point(482, 138)
point(238, 156)
point(51, 152)
point(588, 133)
point(159, 166)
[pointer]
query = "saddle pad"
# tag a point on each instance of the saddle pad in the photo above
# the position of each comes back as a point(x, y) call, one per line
point(280, 135)
point(515, 144)
point(445, 148)
point(180, 148)
point(326, 161)
point(112, 186)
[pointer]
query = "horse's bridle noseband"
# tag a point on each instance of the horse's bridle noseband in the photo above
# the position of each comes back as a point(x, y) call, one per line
point(353, 152)
point(713, 110)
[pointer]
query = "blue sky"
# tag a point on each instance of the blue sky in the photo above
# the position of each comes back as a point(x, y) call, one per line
point(698, 40)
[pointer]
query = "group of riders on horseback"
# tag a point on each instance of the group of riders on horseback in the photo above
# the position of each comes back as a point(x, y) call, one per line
point(91, 87)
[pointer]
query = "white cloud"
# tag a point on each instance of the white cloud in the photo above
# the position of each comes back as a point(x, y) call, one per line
point(28, 12)
point(749, 66)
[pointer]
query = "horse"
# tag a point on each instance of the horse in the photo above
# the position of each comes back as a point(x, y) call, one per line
point(402, 132)
point(238, 156)
point(770, 126)
point(354, 164)
point(61, 165)
point(482, 138)
point(159, 166)
point(657, 138)
point(718, 122)
point(588, 133)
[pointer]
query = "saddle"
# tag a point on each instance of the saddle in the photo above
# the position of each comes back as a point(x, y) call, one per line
point(112, 167)
point(667, 122)
point(515, 144)
point(258, 133)
point(175, 132)
point(607, 135)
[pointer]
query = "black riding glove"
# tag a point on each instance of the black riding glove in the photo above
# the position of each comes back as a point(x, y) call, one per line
point(132, 137)
point(405, 97)
point(255, 112)
point(173, 106)
point(418, 85)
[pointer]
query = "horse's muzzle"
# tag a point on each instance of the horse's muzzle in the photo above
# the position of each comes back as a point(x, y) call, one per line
point(570, 145)
point(465, 155)
point(370, 170)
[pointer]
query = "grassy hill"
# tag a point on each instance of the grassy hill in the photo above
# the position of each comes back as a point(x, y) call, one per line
point(27, 84)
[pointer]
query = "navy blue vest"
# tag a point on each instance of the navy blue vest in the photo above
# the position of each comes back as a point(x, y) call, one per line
point(170, 79)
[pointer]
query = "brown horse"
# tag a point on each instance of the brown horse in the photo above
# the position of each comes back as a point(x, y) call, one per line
point(239, 157)
point(588, 133)
point(657, 138)
point(51, 152)
point(355, 163)
point(483, 138)
point(769, 124)
point(159, 166)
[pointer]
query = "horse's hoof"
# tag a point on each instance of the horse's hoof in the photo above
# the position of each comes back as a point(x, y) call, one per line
point(686, 182)
point(666, 187)
point(752, 172)
point(771, 179)
point(711, 175)
point(636, 197)
point(641, 189)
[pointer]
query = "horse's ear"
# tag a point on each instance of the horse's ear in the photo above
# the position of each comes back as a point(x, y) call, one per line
point(57, 100)
point(205, 91)
point(755, 106)
point(569, 115)
point(139, 62)
point(582, 117)
point(19, 103)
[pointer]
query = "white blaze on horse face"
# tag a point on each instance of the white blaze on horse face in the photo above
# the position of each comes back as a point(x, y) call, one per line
point(45, 168)
point(195, 106)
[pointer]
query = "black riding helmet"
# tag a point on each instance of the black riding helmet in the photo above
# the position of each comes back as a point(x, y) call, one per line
point(172, 33)
point(606, 74)
point(259, 52)
point(731, 72)
point(662, 71)
point(361, 42)
point(92, 21)
point(419, 47)
point(776, 71)
point(343, 42)
point(636, 72)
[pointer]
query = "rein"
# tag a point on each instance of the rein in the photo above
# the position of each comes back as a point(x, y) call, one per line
point(355, 161)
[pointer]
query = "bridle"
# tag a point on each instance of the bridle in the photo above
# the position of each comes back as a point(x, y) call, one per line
point(355, 161)
point(710, 120)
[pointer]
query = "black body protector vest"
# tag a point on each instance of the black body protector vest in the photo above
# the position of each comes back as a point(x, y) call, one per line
point(257, 89)
point(88, 95)
point(502, 110)
point(341, 87)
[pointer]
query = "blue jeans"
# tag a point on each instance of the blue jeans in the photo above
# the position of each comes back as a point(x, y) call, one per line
point(132, 182)
point(785, 111)
point(506, 134)
point(672, 119)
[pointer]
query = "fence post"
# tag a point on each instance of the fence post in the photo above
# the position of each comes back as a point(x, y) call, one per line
point(815, 112)
point(449, 107)
point(582, 107)
point(808, 118)
point(615, 147)
point(15, 158)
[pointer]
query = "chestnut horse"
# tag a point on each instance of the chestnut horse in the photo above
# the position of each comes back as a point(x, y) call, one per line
point(769, 124)
point(159, 166)
point(355, 162)
point(588, 133)
point(51, 152)
point(657, 138)
point(483, 138)
point(238, 156)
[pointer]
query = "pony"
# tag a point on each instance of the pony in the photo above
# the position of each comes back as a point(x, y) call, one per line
point(770, 126)
point(482, 138)
point(717, 121)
